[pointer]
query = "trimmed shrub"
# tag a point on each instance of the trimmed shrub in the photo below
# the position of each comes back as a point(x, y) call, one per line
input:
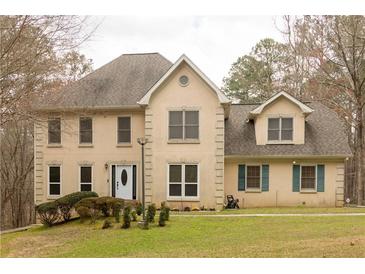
point(83, 212)
point(107, 224)
point(162, 218)
point(195, 209)
point(139, 209)
point(151, 212)
point(116, 212)
point(107, 204)
point(134, 216)
point(126, 217)
point(167, 210)
point(67, 202)
point(187, 208)
point(48, 213)
point(87, 207)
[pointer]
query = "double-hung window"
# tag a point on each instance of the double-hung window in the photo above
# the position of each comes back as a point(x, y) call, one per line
point(280, 129)
point(85, 178)
point(54, 130)
point(308, 178)
point(124, 130)
point(86, 130)
point(183, 181)
point(253, 177)
point(54, 180)
point(183, 125)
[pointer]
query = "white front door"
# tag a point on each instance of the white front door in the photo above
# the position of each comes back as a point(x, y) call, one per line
point(124, 182)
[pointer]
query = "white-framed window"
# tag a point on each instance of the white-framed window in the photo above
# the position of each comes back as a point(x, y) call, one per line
point(183, 124)
point(280, 129)
point(54, 180)
point(124, 130)
point(253, 177)
point(54, 130)
point(86, 175)
point(308, 177)
point(86, 130)
point(183, 181)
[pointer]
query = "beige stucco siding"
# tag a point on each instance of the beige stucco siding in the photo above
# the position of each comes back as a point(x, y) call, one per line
point(284, 108)
point(280, 184)
point(70, 155)
point(207, 153)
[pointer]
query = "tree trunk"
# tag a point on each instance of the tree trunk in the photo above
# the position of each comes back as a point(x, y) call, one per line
point(359, 157)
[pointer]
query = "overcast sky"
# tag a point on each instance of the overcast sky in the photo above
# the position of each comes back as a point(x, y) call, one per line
point(213, 43)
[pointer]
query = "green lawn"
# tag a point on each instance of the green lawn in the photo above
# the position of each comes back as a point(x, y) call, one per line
point(340, 236)
point(281, 210)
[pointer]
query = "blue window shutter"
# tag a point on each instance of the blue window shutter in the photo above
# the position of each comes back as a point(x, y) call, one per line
point(320, 178)
point(296, 178)
point(241, 177)
point(265, 178)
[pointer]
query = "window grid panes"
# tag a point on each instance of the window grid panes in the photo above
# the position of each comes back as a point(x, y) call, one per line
point(280, 129)
point(183, 125)
point(308, 177)
point(124, 129)
point(54, 130)
point(86, 178)
point(54, 180)
point(86, 130)
point(253, 176)
point(183, 180)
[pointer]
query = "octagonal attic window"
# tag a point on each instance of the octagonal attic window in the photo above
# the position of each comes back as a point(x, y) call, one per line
point(184, 80)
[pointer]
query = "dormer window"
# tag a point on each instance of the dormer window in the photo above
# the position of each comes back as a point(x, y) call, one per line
point(280, 129)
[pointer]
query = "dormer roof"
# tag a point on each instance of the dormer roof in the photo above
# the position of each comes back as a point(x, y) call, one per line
point(257, 111)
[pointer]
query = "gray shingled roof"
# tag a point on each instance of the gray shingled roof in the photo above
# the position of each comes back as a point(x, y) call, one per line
point(324, 135)
point(121, 82)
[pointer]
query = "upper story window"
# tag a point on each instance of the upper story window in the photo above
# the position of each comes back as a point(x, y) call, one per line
point(86, 130)
point(54, 131)
point(280, 129)
point(124, 129)
point(183, 124)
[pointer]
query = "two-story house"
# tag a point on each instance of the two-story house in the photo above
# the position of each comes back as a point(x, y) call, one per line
point(200, 147)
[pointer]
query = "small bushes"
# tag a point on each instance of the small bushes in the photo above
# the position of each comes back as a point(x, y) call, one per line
point(107, 224)
point(83, 212)
point(107, 204)
point(187, 208)
point(162, 218)
point(60, 209)
point(67, 202)
point(48, 213)
point(126, 217)
point(87, 208)
point(139, 208)
point(134, 216)
point(166, 209)
point(151, 212)
point(195, 209)
point(97, 205)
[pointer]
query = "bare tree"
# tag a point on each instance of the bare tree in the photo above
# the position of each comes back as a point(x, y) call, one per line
point(331, 52)
point(38, 55)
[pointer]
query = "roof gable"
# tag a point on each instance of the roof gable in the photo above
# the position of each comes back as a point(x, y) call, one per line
point(304, 108)
point(221, 97)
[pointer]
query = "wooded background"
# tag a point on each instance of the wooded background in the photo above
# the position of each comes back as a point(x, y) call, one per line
point(321, 59)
